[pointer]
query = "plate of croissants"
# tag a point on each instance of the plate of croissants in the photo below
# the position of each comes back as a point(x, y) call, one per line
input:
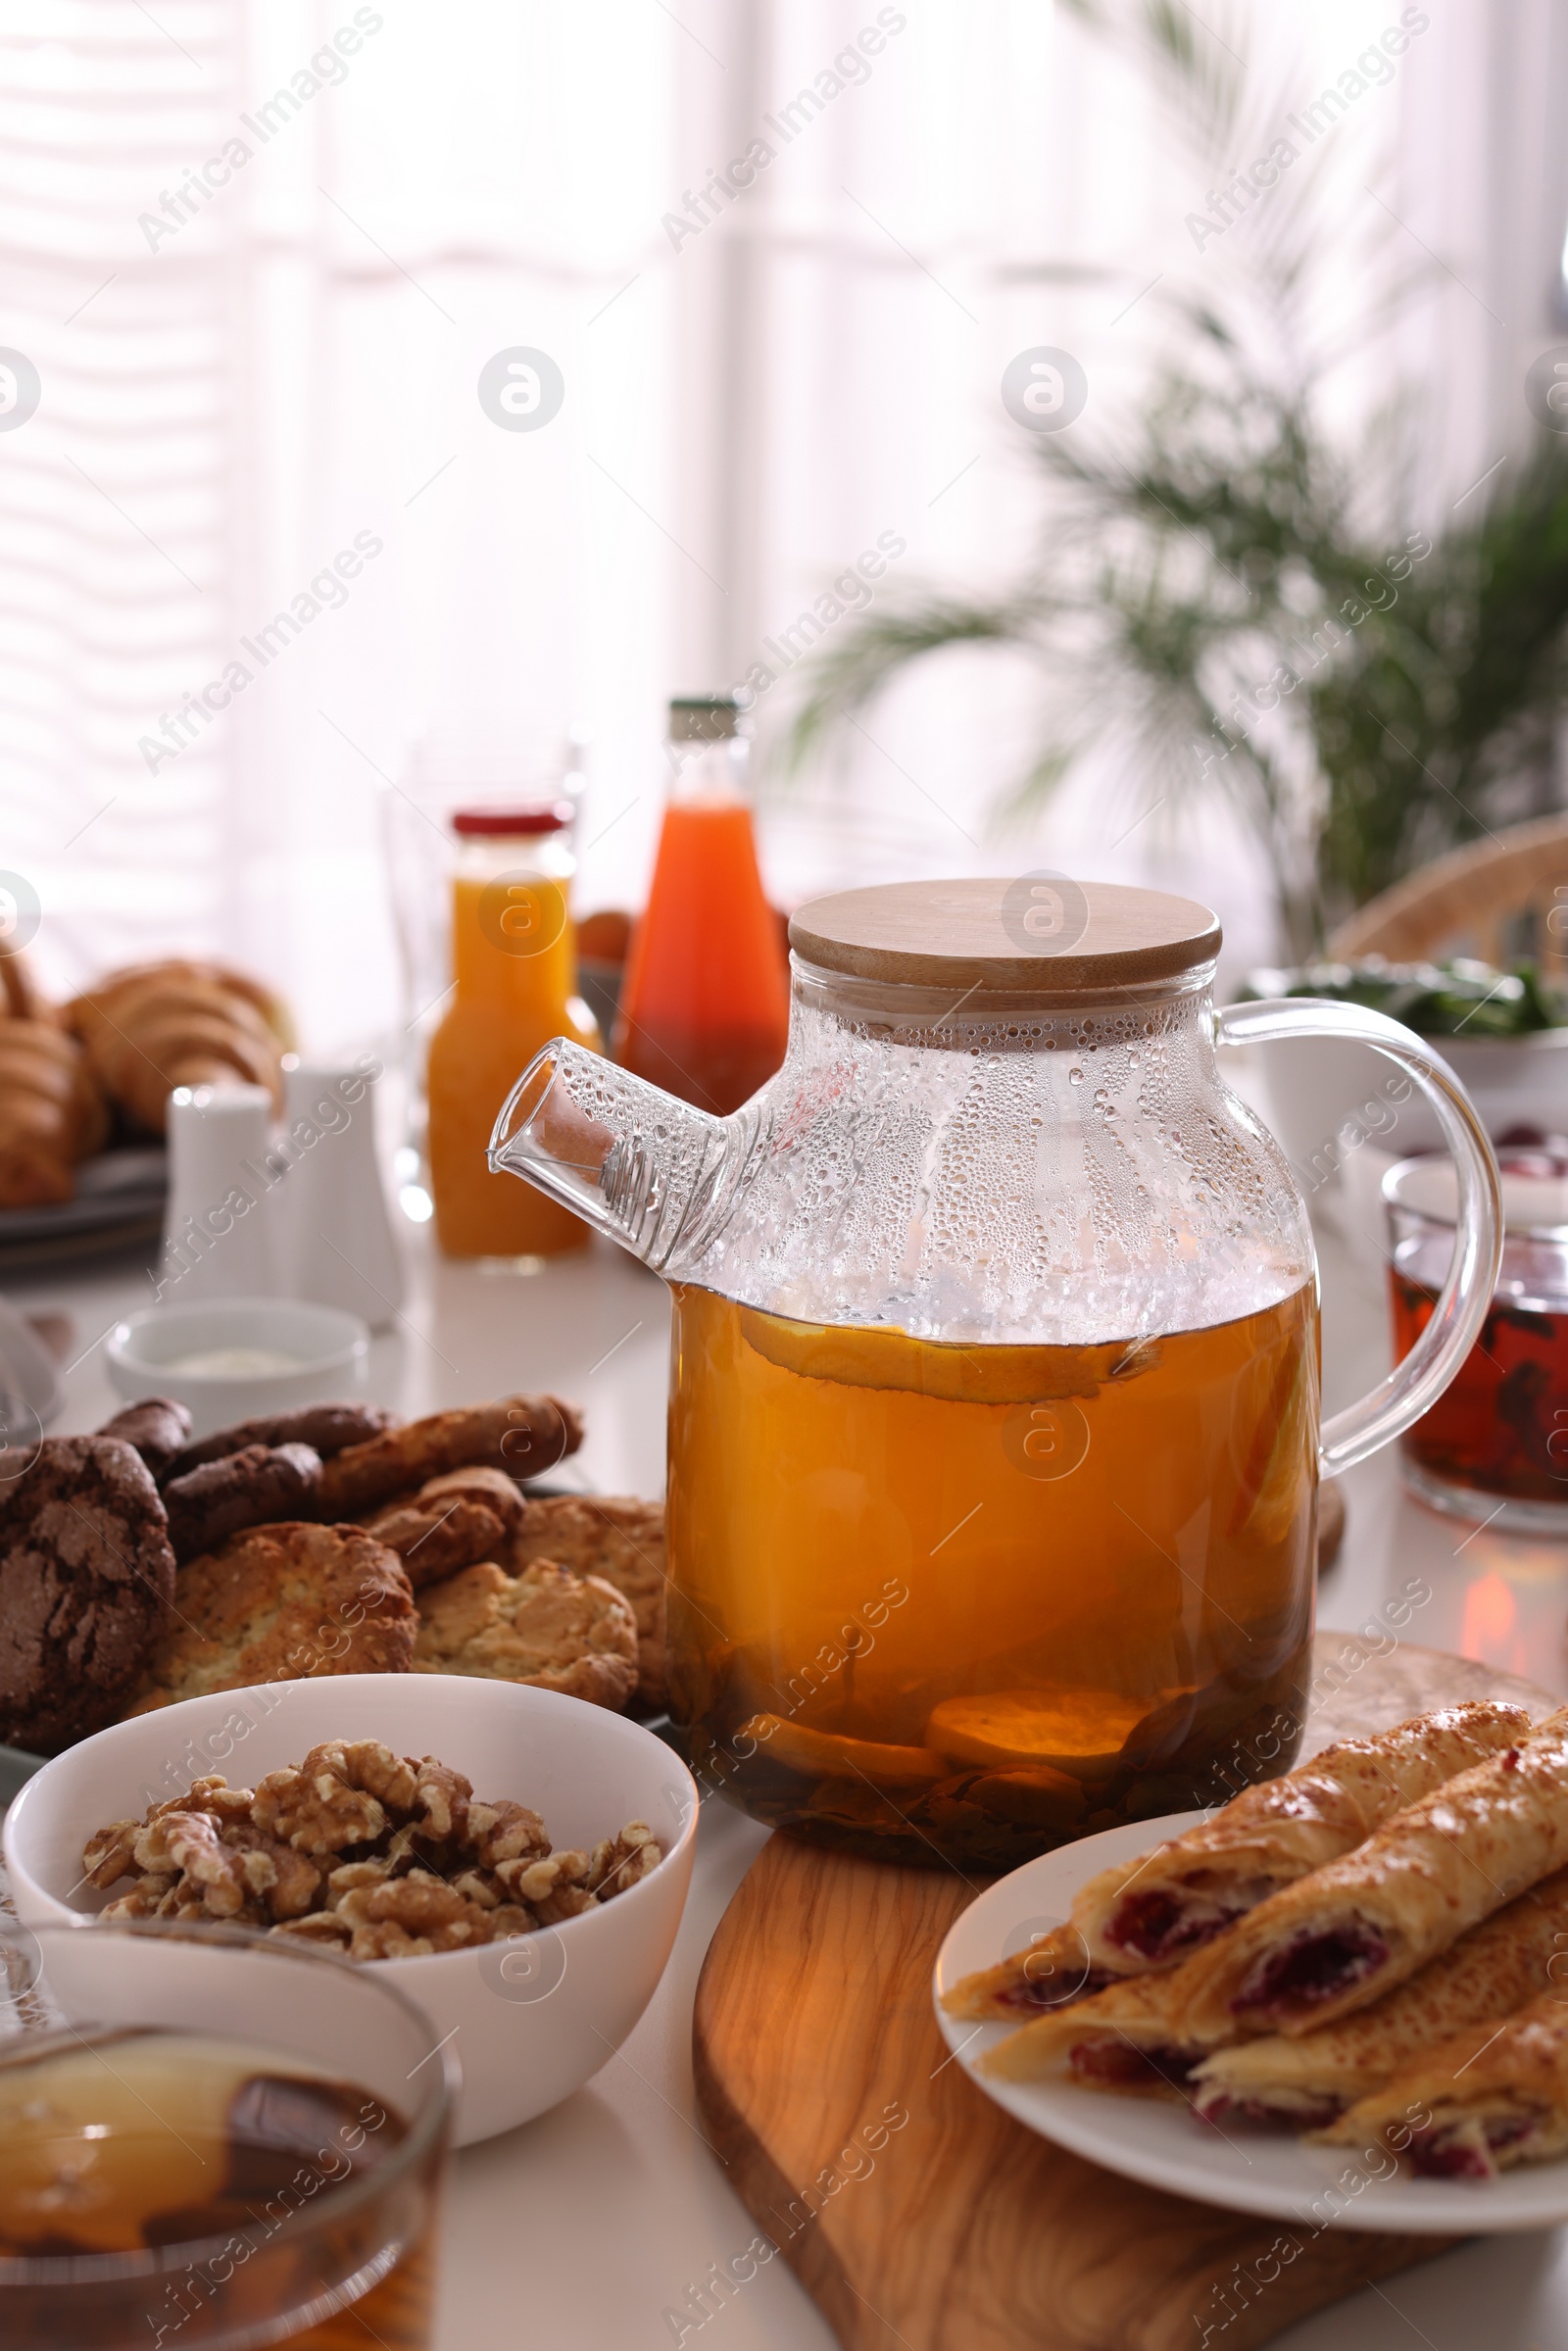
point(1340, 2000)
point(84, 1089)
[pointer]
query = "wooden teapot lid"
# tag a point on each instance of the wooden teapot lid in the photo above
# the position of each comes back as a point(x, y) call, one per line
point(1038, 931)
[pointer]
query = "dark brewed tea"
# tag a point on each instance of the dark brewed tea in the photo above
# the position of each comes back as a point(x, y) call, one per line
point(137, 2140)
point(1502, 1427)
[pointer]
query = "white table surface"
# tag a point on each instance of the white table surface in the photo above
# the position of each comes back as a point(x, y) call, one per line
point(588, 2227)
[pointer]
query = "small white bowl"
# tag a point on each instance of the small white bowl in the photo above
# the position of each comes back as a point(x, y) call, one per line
point(331, 1352)
point(532, 2017)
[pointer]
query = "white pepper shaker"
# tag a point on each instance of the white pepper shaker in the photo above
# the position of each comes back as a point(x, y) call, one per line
point(338, 1247)
point(219, 1227)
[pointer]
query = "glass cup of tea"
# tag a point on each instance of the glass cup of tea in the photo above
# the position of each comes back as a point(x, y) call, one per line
point(212, 2140)
point(1494, 1445)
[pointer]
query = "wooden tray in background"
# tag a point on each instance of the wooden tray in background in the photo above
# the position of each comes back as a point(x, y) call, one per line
point(958, 2230)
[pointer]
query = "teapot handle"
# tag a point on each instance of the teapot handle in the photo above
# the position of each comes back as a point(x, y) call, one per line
point(1415, 1384)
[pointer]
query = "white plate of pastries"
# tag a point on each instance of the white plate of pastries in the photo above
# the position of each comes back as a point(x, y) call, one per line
point(1340, 2001)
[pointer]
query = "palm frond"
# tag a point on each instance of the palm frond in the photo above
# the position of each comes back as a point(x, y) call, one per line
point(856, 669)
point(1239, 586)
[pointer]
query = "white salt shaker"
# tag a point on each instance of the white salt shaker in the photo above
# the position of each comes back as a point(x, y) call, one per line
point(220, 1228)
point(337, 1235)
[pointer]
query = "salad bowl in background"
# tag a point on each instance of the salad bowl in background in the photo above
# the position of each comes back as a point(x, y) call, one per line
point(1503, 1034)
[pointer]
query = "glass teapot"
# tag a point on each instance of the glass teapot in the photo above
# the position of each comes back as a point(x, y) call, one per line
point(993, 1439)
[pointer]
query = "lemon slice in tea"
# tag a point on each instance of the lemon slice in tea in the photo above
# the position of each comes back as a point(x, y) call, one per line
point(825, 1754)
point(1079, 1731)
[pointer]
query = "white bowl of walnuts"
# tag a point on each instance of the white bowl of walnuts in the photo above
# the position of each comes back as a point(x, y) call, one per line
point(516, 1860)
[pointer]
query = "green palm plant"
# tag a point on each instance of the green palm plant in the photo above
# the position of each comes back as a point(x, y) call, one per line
point(1233, 597)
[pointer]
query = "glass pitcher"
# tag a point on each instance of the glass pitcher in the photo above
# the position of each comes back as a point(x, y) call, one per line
point(993, 1439)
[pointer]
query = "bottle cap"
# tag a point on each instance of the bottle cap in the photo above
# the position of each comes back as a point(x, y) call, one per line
point(706, 717)
point(471, 824)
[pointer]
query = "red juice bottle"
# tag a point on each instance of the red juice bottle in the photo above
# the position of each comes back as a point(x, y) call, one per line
point(705, 1003)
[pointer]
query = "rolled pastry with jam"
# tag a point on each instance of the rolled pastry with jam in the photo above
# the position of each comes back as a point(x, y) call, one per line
point(1308, 2082)
point(1363, 1924)
point(1479, 2104)
point(1055, 1972)
point(1123, 2038)
point(1150, 1913)
point(1147, 1912)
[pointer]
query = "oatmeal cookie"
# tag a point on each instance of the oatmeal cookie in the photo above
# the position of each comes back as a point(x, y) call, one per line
point(524, 1435)
point(280, 1601)
point(327, 1428)
point(618, 1537)
point(86, 1574)
point(547, 1626)
point(453, 1521)
point(156, 1427)
point(254, 1488)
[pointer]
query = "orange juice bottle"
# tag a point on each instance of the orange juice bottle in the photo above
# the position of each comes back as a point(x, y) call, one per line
point(705, 1007)
point(515, 966)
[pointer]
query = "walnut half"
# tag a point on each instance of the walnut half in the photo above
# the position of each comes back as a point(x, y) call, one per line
point(405, 1918)
point(619, 1861)
point(360, 1850)
point(338, 1797)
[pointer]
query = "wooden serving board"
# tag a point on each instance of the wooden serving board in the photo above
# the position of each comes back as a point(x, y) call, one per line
point(956, 2229)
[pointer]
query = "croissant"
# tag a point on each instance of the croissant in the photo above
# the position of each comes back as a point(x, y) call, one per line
point(51, 1112)
point(157, 1026)
point(20, 992)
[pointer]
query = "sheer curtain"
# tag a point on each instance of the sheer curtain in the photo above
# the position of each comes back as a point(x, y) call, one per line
point(263, 535)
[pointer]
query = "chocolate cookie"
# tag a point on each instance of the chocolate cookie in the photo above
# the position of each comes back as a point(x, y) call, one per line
point(156, 1427)
point(279, 1602)
point(86, 1574)
point(329, 1428)
point(524, 1435)
point(248, 1489)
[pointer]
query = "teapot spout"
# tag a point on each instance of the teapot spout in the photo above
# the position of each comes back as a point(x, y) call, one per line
point(636, 1163)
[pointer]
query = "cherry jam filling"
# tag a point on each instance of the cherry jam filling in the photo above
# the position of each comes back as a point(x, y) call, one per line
point(1220, 2106)
point(1160, 1925)
point(1315, 1968)
point(1456, 2152)
point(1119, 2065)
point(1050, 1990)
point(1439, 2155)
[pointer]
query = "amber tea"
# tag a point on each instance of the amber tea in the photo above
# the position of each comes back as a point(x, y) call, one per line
point(128, 2142)
point(940, 1591)
point(938, 1602)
